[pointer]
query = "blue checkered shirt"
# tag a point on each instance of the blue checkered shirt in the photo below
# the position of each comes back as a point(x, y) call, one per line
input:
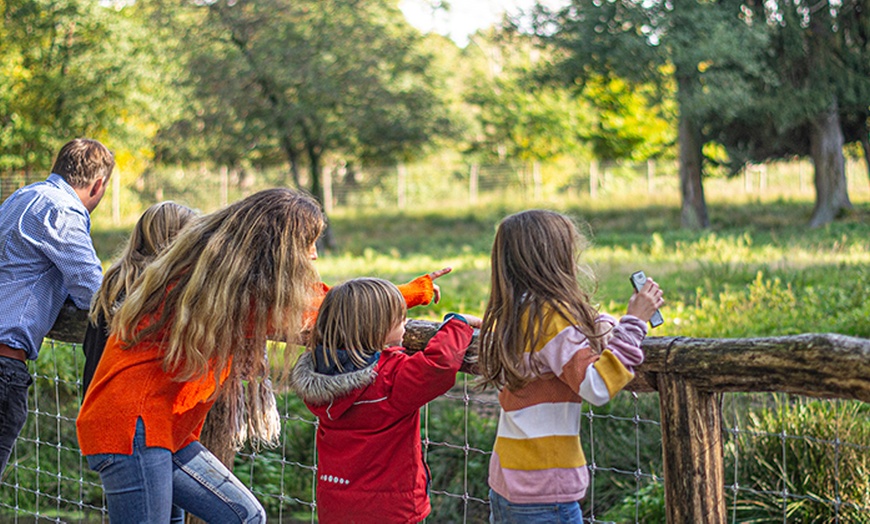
point(46, 255)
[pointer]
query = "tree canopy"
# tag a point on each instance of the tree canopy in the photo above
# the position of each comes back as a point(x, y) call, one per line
point(298, 86)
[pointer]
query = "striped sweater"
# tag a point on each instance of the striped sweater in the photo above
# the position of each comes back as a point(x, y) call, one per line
point(537, 456)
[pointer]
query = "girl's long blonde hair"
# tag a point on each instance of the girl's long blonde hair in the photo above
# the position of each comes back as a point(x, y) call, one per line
point(534, 274)
point(153, 232)
point(356, 316)
point(230, 279)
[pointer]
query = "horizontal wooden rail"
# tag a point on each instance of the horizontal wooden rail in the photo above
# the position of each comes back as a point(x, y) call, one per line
point(824, 365)
point(688, 374)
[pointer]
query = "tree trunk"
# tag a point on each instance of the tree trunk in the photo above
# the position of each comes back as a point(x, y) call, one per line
point(314, 157)
point(826, 149)
point(292, 157)
point(315, 152)
point(694, 209)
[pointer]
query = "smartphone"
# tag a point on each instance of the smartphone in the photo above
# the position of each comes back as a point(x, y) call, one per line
point(638, 279)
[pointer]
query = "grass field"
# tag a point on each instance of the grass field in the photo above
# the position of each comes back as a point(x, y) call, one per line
point(757, 271)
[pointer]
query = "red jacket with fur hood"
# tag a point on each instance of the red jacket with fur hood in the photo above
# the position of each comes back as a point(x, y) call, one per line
point(370, 460)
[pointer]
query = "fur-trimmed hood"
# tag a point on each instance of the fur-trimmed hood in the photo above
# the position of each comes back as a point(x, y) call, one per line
point(334, 394)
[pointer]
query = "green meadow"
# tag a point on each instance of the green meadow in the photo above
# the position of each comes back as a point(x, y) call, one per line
point(758, 271)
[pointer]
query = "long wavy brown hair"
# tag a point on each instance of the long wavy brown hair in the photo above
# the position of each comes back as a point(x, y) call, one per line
point(535, 273)
point(153, 233)
point(230, 280)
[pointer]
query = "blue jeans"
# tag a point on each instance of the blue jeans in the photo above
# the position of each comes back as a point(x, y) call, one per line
point(14, 381)
point(503, 512)
point(156, 485)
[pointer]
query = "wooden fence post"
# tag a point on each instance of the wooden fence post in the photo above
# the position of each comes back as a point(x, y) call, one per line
point(692, 452)
point(401, 185)
point(473, 183)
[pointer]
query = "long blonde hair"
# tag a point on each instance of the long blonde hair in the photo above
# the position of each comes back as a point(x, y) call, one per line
point(153, 232)
point(356, 316)
point(534, 274)
point(230, 279)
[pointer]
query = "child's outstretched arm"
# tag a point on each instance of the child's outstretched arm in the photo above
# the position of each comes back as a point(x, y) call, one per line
point(427, 374)
point(418, 292)
point(605, 376)
point(423, 290)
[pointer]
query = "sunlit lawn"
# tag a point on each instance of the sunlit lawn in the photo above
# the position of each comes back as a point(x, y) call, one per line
point(758, 271)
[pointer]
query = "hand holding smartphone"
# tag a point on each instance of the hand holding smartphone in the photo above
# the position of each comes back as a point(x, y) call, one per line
point(638, 279)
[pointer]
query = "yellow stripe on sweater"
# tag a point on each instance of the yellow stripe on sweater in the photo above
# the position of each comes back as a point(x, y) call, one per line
point(614, 374)
point(540, 453)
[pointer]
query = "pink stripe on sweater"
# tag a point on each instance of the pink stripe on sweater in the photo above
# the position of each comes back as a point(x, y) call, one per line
point(555, 485)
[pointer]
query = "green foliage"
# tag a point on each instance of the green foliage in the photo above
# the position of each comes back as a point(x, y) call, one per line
point(647, 504)
point(290, 82)
point(519, 118)
point(631, 123)
point(49, 470)
point(72, 68)
point(284, 477)
point(799, 459)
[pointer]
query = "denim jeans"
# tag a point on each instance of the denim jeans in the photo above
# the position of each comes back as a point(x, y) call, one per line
point(14, 381)
point(504, 512)
point(155, 485)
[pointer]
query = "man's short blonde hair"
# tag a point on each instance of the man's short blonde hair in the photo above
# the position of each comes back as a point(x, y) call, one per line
point(82, 160)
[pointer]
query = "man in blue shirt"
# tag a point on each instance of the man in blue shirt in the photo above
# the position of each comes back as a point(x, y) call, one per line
point(46, 256)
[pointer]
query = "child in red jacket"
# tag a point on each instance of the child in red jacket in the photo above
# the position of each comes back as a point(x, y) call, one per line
point(367, 394)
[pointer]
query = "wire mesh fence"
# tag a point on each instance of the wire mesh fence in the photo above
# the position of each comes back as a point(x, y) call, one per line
point(788, 458)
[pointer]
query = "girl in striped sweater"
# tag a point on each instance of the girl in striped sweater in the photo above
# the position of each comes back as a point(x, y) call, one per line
point(547, 349)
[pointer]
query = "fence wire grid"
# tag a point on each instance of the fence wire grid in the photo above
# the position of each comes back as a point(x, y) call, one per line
point(788, 458)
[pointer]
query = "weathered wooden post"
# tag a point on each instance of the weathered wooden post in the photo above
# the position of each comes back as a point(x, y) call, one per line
point(692, 451)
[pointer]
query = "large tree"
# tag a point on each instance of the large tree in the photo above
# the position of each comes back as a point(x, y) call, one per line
point(656, 43)
point(813, 97)
point(71, 68)
point(309, 78)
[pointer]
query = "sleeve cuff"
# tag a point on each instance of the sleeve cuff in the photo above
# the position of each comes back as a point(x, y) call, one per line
point(457, 316)
point(418, 292)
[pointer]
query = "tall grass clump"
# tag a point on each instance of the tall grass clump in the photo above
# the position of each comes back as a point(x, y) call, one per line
point(801, 460)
